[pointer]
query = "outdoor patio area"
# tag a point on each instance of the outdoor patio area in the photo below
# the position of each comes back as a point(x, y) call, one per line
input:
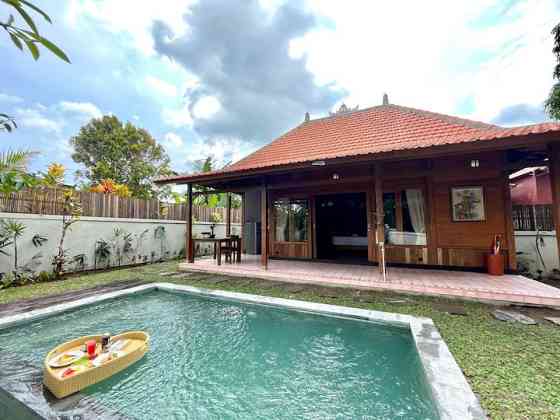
point(454, 284)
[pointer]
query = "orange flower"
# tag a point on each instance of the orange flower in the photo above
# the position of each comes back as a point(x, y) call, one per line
point(97, 188)
point(109, 186)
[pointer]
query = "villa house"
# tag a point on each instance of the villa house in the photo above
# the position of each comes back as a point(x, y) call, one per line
point(531, 186)
point(433, 188)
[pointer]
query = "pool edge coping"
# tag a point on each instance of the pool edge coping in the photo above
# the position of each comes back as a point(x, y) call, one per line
point(451, 392)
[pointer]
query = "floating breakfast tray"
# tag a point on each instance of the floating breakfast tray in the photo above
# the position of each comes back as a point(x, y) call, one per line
point(85, 372)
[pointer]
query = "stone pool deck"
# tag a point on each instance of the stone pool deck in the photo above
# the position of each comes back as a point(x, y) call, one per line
point(507, 289)
point(22, 306)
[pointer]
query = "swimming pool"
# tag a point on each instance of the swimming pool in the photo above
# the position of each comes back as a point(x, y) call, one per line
point(213, 356)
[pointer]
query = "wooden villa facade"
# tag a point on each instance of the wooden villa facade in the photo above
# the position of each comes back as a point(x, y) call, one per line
point(434, 189)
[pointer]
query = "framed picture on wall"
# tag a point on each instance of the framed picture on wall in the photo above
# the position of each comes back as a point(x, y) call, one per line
point(467, 204)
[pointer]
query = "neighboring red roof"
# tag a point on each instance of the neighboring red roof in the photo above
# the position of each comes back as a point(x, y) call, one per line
point(379, 129)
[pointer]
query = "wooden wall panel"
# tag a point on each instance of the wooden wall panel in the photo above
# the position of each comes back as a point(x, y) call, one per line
point(481, 234)
point(460, 244)
point(463, 257)
point(406, 255)
point(290, 249)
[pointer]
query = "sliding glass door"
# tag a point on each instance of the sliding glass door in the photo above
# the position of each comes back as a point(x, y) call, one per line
point(291, 228)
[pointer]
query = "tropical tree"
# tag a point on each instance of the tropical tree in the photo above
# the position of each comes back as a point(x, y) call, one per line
point(552, 104)
point(13, 230)
point(123, 153)
point(13, 171)
point(72, 210)
point(205, 198)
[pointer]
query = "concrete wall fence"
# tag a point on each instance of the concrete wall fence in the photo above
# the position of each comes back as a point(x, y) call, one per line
point(152, 240)
point(147, 240)
point(528, 256)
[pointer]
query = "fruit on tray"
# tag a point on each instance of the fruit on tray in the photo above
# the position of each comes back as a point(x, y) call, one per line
point(88, 368)
point(66, 358)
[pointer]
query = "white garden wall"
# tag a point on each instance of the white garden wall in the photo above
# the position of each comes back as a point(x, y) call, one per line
point(525, 243)
point(84, 234)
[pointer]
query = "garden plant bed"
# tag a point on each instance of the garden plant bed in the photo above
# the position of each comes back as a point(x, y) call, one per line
point(513, 368)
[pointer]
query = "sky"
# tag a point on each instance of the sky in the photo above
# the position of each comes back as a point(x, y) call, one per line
point(224, 77)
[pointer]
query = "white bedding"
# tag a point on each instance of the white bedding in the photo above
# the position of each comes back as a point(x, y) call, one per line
point(350, 241)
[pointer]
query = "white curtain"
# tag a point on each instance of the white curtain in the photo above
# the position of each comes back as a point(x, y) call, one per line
point(415, 201)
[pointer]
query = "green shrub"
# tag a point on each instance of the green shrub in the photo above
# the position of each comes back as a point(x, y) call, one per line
point(7, 280)
point(44, 276)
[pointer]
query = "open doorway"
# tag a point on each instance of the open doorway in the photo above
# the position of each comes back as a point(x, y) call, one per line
point(341, 227)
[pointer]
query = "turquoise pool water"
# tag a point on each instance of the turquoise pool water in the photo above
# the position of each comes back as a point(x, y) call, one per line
point(227, 360)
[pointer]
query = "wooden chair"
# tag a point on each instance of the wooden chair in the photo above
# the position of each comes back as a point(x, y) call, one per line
point(227, 249)
point(236, 246)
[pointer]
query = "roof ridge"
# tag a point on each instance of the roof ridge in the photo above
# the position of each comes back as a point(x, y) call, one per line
point(343, 114)
point(466, 122)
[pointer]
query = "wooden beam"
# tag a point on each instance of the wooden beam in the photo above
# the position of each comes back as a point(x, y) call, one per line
point(197, 193)
point(189, 248)
point(431, 219)
point(554, 171)
point(371, 219)
point(379, 213)
point(228, 214)
point(510, 233)
point(242, 223)
point(264, 227)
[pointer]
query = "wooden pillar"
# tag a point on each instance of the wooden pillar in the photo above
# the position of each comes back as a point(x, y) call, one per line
point(228, 214)
point(379, 213)
point(510, 233)
point(264, 227)
point(431, 221)
point(189, 248)
point(242, 223)
point(371, 218)
point(554, 173)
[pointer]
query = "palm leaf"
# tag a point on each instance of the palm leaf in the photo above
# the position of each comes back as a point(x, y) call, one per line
point(16, 160)
point(36, 9)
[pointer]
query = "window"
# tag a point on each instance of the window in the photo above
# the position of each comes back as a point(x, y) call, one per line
point(404, 218)
point(291, 220)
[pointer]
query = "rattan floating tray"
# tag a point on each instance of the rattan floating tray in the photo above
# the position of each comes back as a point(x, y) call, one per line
point(136, 345)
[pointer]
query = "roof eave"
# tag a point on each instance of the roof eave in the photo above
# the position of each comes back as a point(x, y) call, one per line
point(481, 145)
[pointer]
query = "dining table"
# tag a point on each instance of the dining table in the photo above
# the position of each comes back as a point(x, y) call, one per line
point(234, 242)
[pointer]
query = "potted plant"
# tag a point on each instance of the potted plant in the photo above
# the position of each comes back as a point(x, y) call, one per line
point(215, 218)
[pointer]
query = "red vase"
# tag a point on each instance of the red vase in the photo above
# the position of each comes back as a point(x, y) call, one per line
point(495, 264)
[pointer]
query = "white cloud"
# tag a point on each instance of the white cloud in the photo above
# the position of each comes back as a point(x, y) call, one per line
point(172, 140)
point(184, 153)
point(175, 148)
point(206, 106)
point(35, 118)
point(437, 55)
point(161, 86)
point(224, 151)
point(130, 16)
point(9, 99)
point(177, 117)
point(87, 110)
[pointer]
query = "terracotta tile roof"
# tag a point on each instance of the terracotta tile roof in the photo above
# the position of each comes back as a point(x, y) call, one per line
point(379, 129)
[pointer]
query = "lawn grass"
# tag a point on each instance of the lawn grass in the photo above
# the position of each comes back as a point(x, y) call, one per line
point(513, 368)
